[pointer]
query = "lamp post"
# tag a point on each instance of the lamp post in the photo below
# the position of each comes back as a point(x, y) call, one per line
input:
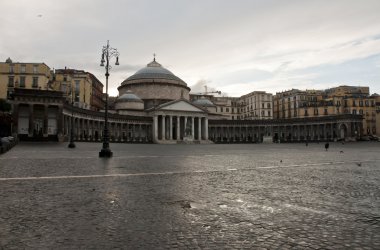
point(72, 144)
point(107, 54)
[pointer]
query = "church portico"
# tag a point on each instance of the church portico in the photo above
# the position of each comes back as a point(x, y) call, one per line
point(179, 127)
point(179, 121)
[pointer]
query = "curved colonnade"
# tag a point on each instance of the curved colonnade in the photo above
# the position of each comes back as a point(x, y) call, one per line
point(328, 128)
point(88, 126)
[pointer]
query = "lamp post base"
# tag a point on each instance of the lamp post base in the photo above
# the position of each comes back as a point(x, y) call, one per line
point(71, 145)
point(105, 153)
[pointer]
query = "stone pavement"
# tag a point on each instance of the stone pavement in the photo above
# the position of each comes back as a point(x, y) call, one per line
point(248, 196)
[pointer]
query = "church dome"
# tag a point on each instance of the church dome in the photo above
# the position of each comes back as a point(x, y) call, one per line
point(155, 71)
point(129, 101)
point(128, 97)
point(203, 102)
point(155, 85)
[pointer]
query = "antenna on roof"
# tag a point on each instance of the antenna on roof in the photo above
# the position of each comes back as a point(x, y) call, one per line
point(154, 57)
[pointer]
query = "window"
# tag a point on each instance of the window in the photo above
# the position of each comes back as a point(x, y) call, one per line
point(35, 69)
point(268, 105)
point(35, 82)
point(361, 103)
point(23, 68)
point(11, 81)
point(366, 103)
point(77, 90)
point(11, 68)
point(354, 103)
point(325, 112)
point(22, 81)
point(262, 105)
point(227, 110)
point(269, 113)
point(315, 111)
point(221, 109)
point(354, 111)
point(360, 111)
point(306, 113)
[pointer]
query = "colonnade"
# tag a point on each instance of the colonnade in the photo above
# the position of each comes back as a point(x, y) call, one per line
point(119, 131)
point(175, 128)
point(47, 121)
point(37, 120)
point(251, 132)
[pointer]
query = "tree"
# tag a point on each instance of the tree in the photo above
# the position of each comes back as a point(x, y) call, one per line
point(4, 105)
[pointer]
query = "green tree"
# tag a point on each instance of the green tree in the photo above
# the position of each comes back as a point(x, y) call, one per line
point(4, 105)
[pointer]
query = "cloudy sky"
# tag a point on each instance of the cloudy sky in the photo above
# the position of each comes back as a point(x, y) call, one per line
point(234, 46)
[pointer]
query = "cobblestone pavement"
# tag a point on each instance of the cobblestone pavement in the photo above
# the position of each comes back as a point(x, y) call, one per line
point(274, 196)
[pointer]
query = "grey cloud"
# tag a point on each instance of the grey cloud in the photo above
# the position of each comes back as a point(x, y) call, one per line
point(192, 38)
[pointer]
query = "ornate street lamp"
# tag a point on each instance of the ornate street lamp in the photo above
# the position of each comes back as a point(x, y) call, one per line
point(107, 54)
point(72, 144)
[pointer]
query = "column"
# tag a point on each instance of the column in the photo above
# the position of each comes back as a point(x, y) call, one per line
point(140, 133)
point(170, 127)
point(155, 128)
point(163, 128)
point(31, 120)
point(246, 133)
point(178, 137)
point(185, 126)
point(199, 129)
point(298, 132)
point(206, 127)
point(192, 128)
point(60, 122)
point(203, 129)
point(88, 131)
point(45, 121)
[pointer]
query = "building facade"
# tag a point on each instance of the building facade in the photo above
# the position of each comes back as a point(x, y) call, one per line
point(335, 101)
point(155, 106)
point(77, 85)
point(223, 107)
point(22, 75)
point(256, 105)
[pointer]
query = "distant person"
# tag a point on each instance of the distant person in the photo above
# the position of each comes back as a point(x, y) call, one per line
point(327, 145)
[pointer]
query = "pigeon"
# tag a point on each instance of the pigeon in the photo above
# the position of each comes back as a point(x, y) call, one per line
point(359, 164)
point(341, 152)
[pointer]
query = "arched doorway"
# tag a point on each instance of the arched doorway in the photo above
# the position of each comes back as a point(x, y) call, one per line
point(342, 131)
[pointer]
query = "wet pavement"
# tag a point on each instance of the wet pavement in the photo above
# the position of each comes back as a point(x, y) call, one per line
point(247, 196)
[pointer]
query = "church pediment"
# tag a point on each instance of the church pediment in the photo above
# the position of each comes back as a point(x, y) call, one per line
point(180, 105)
